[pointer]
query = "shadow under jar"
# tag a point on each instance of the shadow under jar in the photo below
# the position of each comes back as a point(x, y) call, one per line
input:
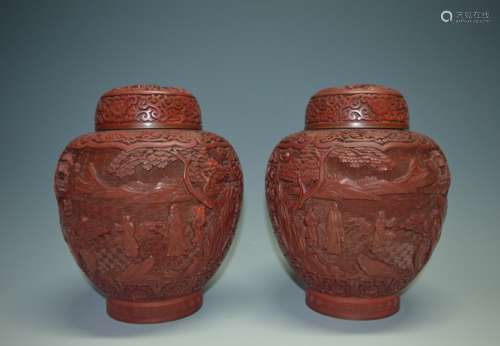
point(357, 201)
point(149, 203)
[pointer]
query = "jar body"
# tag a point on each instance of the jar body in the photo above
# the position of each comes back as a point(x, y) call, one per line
point(149, 215)
point(357, 213)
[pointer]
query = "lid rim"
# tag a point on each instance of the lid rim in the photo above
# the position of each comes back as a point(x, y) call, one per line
point(148, 126)
point(357, 125)
point(146, 92)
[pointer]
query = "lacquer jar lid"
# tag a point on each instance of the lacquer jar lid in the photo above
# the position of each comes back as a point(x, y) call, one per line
point(147, 107)
point(357, 106)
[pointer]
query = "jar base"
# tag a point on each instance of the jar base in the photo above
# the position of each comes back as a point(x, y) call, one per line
point(351, 308)
point(154, 311)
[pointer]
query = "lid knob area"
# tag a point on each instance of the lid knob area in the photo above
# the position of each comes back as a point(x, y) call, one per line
point(147, 107)
point(357, 106)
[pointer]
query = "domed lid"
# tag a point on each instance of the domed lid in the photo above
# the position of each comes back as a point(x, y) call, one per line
point(147, 107)
point(357, 106)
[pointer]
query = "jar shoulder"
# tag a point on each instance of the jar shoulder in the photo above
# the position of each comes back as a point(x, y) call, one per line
point(378, 138)
point(178, 140)
point(150, 137)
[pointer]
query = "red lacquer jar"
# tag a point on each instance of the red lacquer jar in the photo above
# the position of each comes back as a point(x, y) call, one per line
point(149, 203)
point(357, 200)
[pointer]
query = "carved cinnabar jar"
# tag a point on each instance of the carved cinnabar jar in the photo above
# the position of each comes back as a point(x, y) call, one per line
point(357, 201)
point(149, 202)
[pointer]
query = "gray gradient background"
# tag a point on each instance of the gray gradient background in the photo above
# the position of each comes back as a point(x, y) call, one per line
point(253, 67)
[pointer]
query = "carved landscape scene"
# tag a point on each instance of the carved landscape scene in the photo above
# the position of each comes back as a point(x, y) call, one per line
point(149, 213)
point(357, 212)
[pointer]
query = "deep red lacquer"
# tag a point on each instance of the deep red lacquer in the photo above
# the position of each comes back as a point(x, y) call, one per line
point(149, 203)
point(357, 200)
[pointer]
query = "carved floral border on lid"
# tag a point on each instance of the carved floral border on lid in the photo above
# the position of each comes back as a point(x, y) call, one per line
point(360, 105)
point(147, 106)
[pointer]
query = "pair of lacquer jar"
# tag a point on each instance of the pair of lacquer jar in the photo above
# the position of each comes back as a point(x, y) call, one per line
point(149, 202)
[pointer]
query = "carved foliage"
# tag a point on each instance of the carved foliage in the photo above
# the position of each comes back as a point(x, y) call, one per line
point(357, 212)
point(149, 214)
